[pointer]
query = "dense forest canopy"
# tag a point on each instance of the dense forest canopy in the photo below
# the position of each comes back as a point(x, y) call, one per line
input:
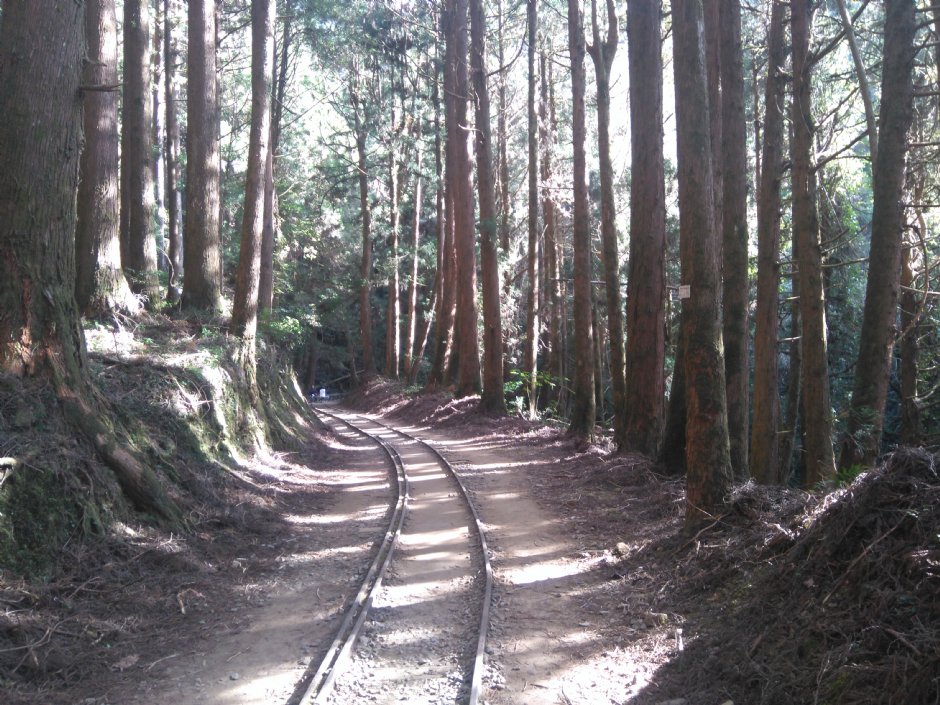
point(708, 227)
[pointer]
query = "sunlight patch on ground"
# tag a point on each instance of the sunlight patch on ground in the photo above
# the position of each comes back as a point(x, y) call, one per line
point(542, 571)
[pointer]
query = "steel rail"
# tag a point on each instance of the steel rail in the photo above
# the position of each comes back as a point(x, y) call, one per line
point(331, 665)
point(477, 673)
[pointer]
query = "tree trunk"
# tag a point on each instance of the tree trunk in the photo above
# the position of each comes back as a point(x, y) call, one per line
point(493, 399)
point(172, 153)
point(393, 309)
point(410, 355)
point(270, 232)
point(202, 262)
point(765, 440)
point(862, 440)
point(100, 286)
point(554, 358)
point(245, 305)
point(531, 351)
point(460, 181)
point(911, 427)
point(862, 82)
point(158, 155)
point(707, 452)
point(446, 264)
point(139, 248)
point(41, 56)
point(789, 435)
point(365, 211)
point(734, 234)
point(602, 53)
point(584, 409)
point(817, 414)
point(646, 282)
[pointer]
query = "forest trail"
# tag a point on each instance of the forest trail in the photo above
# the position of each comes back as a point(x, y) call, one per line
point(543, 645)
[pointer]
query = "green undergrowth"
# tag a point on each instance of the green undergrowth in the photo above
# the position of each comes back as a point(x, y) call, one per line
point(176, 398)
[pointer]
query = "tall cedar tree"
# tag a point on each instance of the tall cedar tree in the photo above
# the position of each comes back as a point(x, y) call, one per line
point(41, 57)
point(202, 262)
point(269, 233)
point(493, 398)
point(100, 285)
point(460, 181)
point(765, 457)
point(411, 325)
point(138, 244)
point(365, 213)
point(446, 255)
point(583, 410)
point(531, 351)
point(734, 232)
point(862, 439)
point(245, 305)
point(171, 151)
point(817, 413)
point(393, 309)
point(646, 283)
point(602, 51)
point(707, 453)
point(554, 355)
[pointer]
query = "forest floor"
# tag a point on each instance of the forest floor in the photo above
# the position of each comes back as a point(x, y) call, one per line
point(789, 597)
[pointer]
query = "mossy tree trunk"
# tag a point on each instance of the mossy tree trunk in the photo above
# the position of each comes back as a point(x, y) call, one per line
point(41, 53)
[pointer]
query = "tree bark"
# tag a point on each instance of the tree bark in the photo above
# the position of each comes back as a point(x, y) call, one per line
point(461, 183)
point(765, 440)
point(734, 234)
point(410, 354)
point(707, 452)
point(862, 440)
point(365, 212)
point(584, 409)
point(138, 244)
point(41, 55)
point(202, 262)
point(817, 414)
point(493, 398)
point(554, 357)
point(393, 309)
point(172, 153)
point(602, 53)
point(531, 351)
point(446, 266)
point(100, 285)
point(646, 281)
point(245, 305)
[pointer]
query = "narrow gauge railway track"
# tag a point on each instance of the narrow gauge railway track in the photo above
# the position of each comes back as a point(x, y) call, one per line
point(426, 639)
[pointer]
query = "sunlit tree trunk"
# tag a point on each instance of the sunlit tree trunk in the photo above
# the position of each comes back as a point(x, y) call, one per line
point(531, 351)
point(158, 64)
point(202, 261)
point(862, 440)
point(602, 52)
point(270, 232)
point(493, 398)
point(817, 412)
point(245, 305)
point(707, 454)
point(765, 438)
point(100, 285)
point(138, 244)
point(172, 152)
point(554, 358)
point(410, 355)
point(736, 289)
point(393, 309)
point(584, 409)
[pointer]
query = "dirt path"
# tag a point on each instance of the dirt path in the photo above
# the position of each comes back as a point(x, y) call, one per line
point(546, 643)
point(267, 642)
